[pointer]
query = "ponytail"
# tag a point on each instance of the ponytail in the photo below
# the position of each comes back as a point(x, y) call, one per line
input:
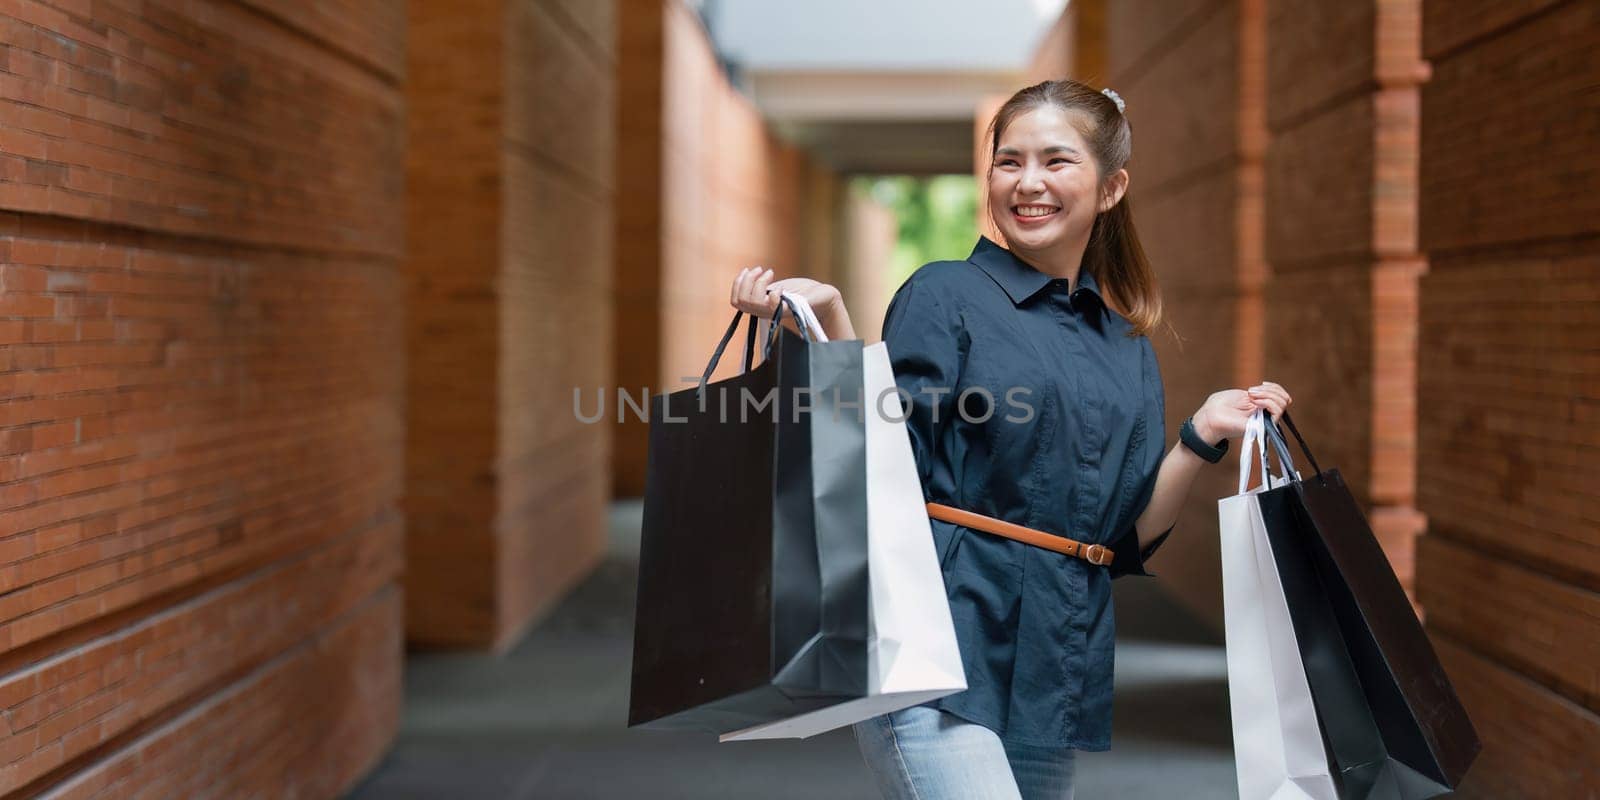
point(1117, 260)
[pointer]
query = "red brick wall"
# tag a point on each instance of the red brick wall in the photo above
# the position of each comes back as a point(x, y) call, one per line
point(1508, 433)
point(1191, 75)
point(1341, 172)
point(711, 190)
point(511, 170)
point(200, 395)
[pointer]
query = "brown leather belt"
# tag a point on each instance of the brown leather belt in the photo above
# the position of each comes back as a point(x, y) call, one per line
point(1097, 554)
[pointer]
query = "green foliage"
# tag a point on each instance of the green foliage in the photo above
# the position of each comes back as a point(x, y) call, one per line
point(937, 218)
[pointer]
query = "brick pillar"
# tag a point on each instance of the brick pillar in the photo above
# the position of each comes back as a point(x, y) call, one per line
point(1249, 176)
point(1509, 404)
point(640, 97)
point(873, 232)
point(1342, 97)
point(510, 228)
point(1088, 21)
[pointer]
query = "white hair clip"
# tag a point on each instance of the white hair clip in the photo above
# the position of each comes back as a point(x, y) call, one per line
point(1115, 98)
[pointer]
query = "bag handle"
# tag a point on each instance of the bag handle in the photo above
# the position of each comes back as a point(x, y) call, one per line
point(1287, 420)
point(1285, 460)
point(786, 299)
point(1282, 445)
point(1256, 434)
point(727, 336)
point(749, 345)
point(803, 310)
point(1251, 443)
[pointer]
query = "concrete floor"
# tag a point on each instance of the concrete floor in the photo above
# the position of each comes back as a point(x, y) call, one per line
point(547, 720)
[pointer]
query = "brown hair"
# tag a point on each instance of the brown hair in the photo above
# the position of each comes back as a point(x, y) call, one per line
point(1113, 255)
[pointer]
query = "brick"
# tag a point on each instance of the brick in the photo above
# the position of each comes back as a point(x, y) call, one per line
point(22, 278)
point(17, 304)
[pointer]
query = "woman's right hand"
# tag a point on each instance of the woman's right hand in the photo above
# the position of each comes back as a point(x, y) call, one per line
point(754, 292)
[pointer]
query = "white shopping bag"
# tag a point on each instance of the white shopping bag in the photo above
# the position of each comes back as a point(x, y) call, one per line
point(912, 655)
point(1277, 741)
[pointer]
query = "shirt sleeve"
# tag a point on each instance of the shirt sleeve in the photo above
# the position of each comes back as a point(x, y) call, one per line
point(926, 343)
point(1127, 557)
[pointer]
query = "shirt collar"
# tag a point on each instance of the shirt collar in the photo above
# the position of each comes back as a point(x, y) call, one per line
point(1019, 280)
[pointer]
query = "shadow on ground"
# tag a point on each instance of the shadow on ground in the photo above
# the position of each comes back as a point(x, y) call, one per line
point(547, 720)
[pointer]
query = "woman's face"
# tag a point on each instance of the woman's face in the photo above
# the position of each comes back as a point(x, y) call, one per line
point(1045, 188)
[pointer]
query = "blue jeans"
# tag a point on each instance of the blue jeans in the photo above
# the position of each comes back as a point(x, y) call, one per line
point(922, 753)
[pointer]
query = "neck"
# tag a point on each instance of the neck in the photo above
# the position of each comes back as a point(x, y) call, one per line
point(1064, 260)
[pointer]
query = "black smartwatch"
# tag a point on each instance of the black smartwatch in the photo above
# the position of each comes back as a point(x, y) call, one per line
point(1191, 439)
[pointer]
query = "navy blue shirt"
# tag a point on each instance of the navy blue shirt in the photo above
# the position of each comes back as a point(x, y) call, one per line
point(1071, 445)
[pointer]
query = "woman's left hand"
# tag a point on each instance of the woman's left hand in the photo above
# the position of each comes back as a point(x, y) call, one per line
point(1224, 414)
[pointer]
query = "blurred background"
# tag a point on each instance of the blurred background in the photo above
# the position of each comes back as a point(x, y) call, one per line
point(295, 295)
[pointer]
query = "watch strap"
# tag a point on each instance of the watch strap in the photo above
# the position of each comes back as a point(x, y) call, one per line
point(1191, 439)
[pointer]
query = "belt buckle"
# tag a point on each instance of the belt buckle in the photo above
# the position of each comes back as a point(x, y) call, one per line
point(1097, 554)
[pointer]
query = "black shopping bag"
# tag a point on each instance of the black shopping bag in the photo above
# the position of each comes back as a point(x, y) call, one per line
point(1391, 720)
point(753, 598)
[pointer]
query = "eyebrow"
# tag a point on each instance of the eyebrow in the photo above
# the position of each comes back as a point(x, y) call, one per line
point(1055, 148)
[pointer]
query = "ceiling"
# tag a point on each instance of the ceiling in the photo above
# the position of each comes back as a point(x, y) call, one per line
point(878, 86)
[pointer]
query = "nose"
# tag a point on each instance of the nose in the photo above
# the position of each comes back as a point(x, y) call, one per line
point(1031, 181)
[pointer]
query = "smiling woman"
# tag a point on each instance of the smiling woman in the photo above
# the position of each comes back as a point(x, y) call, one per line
point(1060, 317)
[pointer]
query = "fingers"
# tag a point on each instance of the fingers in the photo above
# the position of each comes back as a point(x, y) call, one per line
point(762, 282)
point(736, 294)
point(750, 294)
point(1272, 397)
point(768, 301)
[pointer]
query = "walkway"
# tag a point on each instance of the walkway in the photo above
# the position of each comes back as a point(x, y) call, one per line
point(547, 719)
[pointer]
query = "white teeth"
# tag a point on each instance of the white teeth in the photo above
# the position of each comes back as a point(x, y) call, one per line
point(1035, 211)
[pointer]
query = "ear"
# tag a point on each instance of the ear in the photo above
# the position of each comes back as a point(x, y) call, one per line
point(1112, 190)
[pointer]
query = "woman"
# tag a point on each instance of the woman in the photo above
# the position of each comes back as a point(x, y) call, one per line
point(1057, 321)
